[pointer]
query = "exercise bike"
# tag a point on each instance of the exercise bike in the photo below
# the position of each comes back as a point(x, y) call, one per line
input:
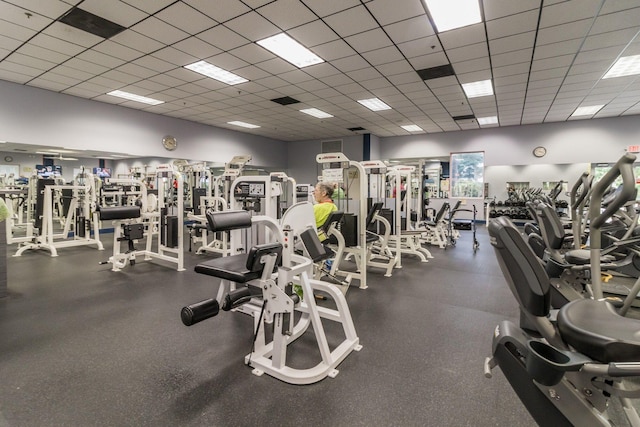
point(566, 367)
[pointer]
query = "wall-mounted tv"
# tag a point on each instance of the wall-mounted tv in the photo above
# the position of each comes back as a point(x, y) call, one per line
point(49, 171)
point(102, 172)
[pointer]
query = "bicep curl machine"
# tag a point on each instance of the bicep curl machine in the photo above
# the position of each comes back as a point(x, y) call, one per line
point(259, 283)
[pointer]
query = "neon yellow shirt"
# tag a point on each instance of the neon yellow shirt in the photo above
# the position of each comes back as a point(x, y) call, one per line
point(321, 211)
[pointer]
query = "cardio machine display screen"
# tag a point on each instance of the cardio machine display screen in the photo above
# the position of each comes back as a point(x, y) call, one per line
point(250, 189)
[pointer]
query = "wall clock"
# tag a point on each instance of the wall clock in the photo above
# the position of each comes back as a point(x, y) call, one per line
point(8, 159)
point(539, 151)
point(170, 143)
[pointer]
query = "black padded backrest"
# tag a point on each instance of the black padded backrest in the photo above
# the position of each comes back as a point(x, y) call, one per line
point(258, 251)
point(550, 226)
point(335, 216)
point(228, 220)
point(521, 268)
point(443, 210)
point(312, 244)
point(375, 208)
point(456, 206)
point(531, 228)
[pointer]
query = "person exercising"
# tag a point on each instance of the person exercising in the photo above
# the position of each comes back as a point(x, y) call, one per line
point(324, 205)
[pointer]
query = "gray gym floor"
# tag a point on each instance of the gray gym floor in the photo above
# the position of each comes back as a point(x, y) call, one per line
point(81, 345)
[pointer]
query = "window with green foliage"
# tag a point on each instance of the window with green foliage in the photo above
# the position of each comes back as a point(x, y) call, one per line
point(600, 169)
point(467, 174)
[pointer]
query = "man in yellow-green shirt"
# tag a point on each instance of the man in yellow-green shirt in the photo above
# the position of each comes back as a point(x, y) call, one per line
point(324, 204)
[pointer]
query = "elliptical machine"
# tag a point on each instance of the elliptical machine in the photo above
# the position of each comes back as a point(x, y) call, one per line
point(565, 366)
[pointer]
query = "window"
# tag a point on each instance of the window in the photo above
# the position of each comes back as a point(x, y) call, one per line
point(467, 175)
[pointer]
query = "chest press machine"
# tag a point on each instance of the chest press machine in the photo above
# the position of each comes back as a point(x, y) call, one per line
point(259, 283)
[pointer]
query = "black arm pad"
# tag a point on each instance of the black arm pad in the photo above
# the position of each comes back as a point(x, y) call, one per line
point(199, 311)
point(118, 212)
point(228, 220)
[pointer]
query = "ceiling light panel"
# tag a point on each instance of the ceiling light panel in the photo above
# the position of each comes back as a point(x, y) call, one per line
point(243, 124)
point(587, 110)
point(217, 73)
point(316, 113)
point(374, 104)
point(448, 15)
point(488, 120)
point(290, 50)
point(412, 128)
point(134, 97)
point(479, 88)
point(625, 66)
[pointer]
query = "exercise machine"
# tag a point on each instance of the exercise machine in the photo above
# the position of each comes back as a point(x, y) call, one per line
point(259, 283)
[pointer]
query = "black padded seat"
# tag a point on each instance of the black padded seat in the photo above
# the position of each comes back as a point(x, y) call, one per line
point(583, 256)
point(596, 330)
point(232, 268)
point(240, 268)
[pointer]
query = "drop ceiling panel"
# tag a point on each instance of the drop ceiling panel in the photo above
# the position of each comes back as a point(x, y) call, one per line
point(384, 43)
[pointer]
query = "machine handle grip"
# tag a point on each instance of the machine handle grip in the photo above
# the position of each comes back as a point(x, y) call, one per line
point(623, 168)
point(583, 182)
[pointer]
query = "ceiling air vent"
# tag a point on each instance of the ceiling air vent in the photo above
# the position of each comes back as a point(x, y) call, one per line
point(285, 100)
point(91, 23)
point(356, 129)
point(436, 72)
point(466, 117)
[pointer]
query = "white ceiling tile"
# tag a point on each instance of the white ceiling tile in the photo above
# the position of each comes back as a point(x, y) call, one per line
point(615, 38)
point(16, 16)
point(512, 43)
point(71, 34)
point(369, 40)
point(295, 76)
point(154, 64)
point(615, 21)
point(442, 82)
point(175, 56)
point(85, 66)
point(117, 50)
point(159, 30)
point(252, 26)
point(321, 70)
point(608, 54)
point(186, 18)
point(494, 9)
point(513, 24)
point(334, 50)
point(549, 73)
point(590, 67)
point(219, 10)
point(33, 62)
point(223, 38)
point(397, 67)
point(150, 7)
point(517, 57)
point(428, 61)
point(363, 74)
point(276, 66)
point(8, 44)
point(197, 47)
point(351, 21)
point(614, 6)
point(337, 80)
point(287, 14)
point(252, 53)
point(48, 84)
point(351, 63)
point(548, 83)
point(313, 34)
point(40, 52)
point(465, 53)
point(420, 47)
point(330, 7)
point(474, 76)
point(564, 32)
point(120, 13)
point(383, 56)
point(470, 34)
point(387, 11)
point(555, 62)
point(480, 64)
point(100, 59)
point(135, 70)
point(568, 11)
point(137, 41)
point(411, 29)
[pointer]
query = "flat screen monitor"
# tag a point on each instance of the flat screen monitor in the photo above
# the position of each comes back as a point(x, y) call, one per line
point(49, 171)
point(102, 172)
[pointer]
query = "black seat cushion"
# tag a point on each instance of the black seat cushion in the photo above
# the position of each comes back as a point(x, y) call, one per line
point(583, 256)
point(232, 268)
point(596, 330)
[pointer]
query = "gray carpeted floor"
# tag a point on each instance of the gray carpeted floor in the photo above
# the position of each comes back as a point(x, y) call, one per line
point(82, 345)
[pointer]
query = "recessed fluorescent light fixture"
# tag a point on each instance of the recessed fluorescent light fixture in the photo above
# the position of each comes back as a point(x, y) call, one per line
point(290, 50)
point(217, 73)
point(479, 88)
point(374, 104)
point(488, 120)
point(134, 97)
point(625, 66)
point(587, 111)
point(448, 15)
point(412, 128)
point(316, 113)
point(49, 153)
point(243, 124)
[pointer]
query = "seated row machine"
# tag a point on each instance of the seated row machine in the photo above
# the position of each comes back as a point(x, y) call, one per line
point(259, 283)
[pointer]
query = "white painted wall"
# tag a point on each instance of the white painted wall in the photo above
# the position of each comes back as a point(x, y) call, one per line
point(27, 162)
point(31, 115)
point(578, 141)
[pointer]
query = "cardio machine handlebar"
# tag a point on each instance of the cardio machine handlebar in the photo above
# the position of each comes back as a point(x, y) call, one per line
point(623, 168)
point(585, 182)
